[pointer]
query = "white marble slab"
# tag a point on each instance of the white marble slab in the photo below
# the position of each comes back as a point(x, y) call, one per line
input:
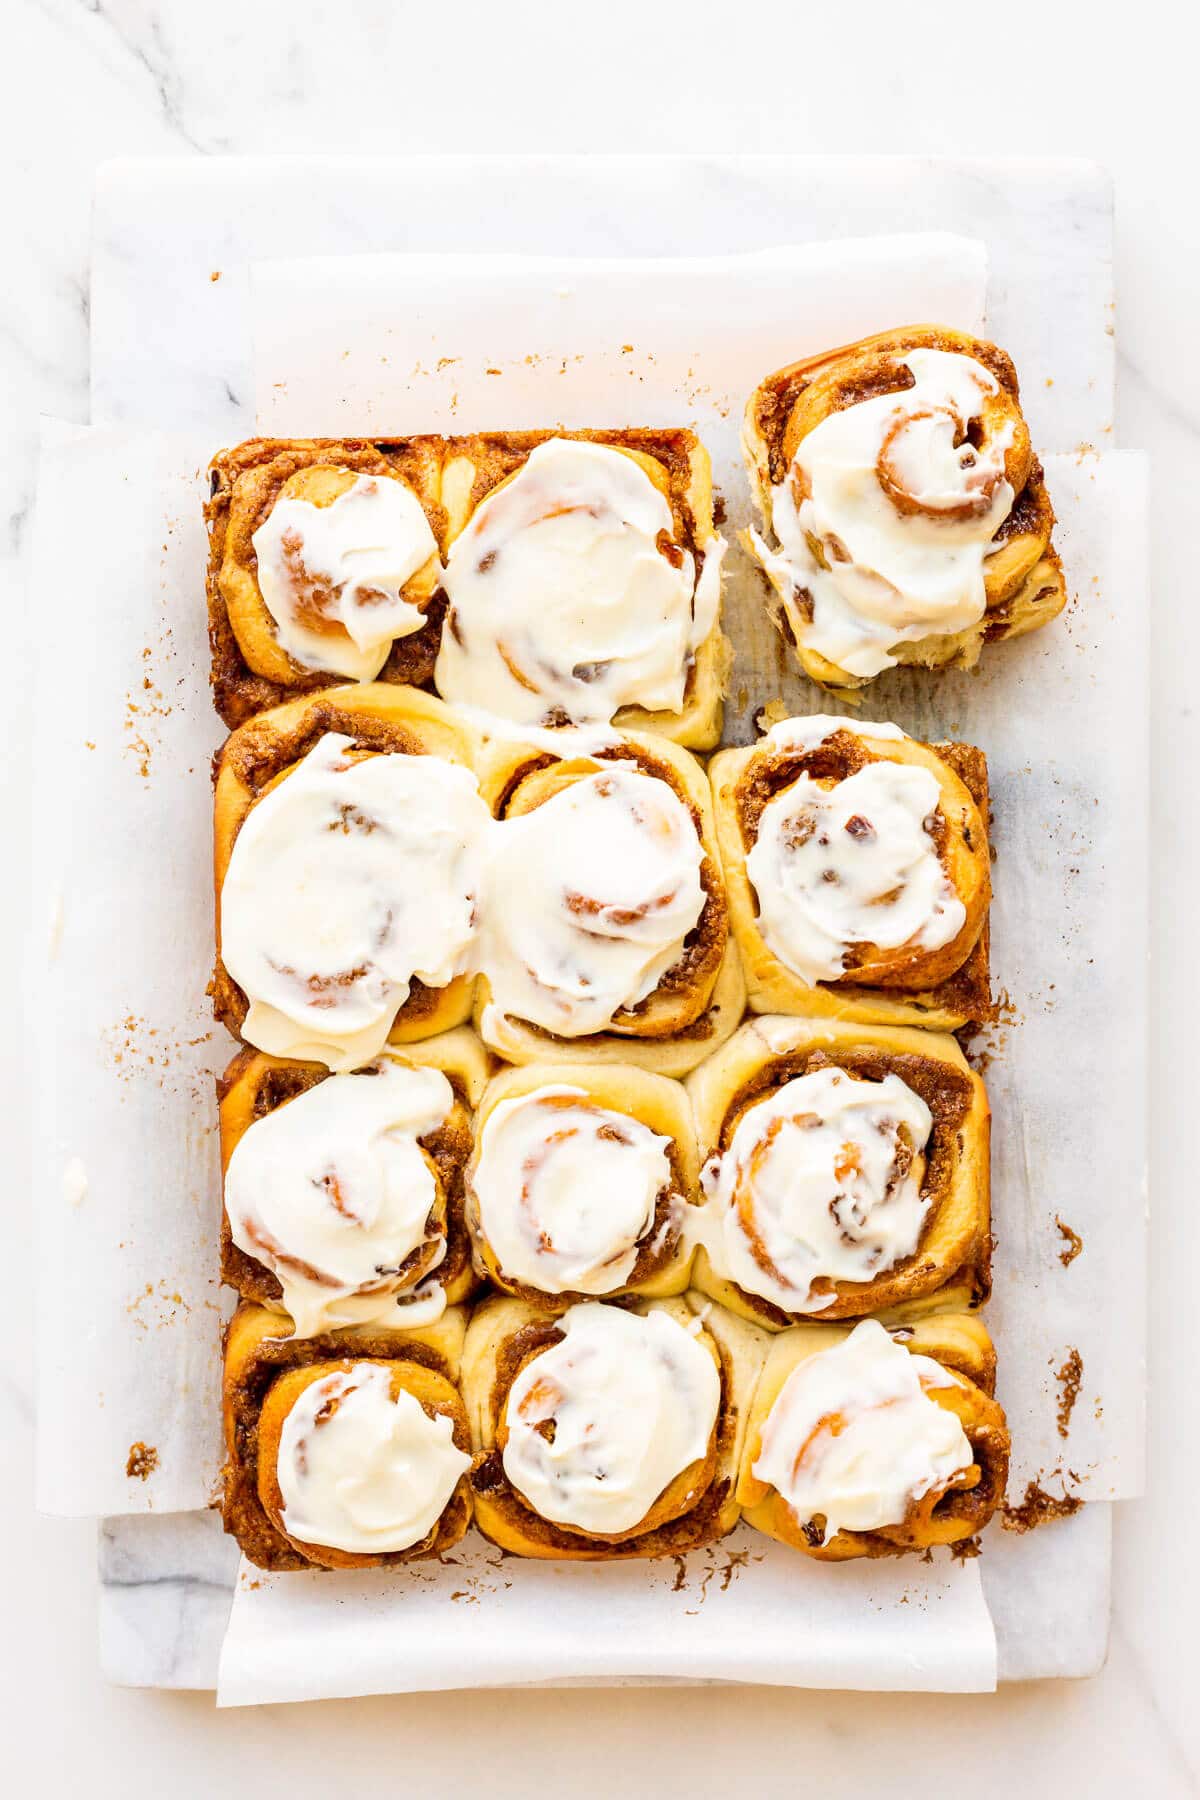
point(171, 247)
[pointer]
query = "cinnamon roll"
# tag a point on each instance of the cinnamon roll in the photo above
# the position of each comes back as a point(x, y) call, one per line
point(349, 837)
point(910, 518)
point(324, 566)
point(347, 1450)
point(857, 865)
point(580, 1180)
point(845, 1171)
point(584, 581)
point(344, 1193)
point(603, 930)
point(865, 1443)
point(603, 1430)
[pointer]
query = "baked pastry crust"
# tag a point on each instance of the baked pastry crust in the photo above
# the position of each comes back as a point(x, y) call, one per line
point(250, 669)
point(255, 1084)
point(664, 1256)
point(426, 1362)
point(958, 1342)
point(1024, 578)
point(679, 465)
point(696, 1508)
point(698, 1003)
point(952, 1260)
point(380, 719)
point(942, 989)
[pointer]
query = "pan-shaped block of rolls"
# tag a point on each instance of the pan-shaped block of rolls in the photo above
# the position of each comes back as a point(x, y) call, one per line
point(347, 834)
point(604, 931)
point(344, 1193)
point(857, 865)
point(346, 1450)
point(870, 1442)
point(581, 1182)
point(605, 1430)
point(845, 1172)
point(904, 511)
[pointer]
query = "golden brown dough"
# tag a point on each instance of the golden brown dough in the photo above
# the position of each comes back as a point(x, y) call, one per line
point(1022, 573)
point(947, 1515)
point(943, 988)
point(952, 1259)
point(264, 1375)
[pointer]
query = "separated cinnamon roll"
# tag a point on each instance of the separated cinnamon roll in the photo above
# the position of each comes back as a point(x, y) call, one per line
point(349, 836)
point(857, 865)
point(344, 1193)
point(845, 1171)
point(603, 928)
point(348, 1450)
point(584, 581)
point(580, 1180)
point(324, 566)
point(606, 1431)
point(863, 1443)
point(910, 518)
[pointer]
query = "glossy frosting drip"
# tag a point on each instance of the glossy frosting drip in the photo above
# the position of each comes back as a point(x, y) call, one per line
point(362, 1470)
point(887, 515)
point(567, 1190)
point(853, 1438)
point(333, 577)
point(347, 880)
point(589, 899)
point(333, 1193)
point(850, 864)
point(821, 1183)
point(633, 1402)
point(570, 596)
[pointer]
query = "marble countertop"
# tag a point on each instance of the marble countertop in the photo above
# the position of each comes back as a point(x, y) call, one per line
point(90, 81)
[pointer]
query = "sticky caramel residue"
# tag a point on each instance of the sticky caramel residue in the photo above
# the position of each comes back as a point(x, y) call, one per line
point(1038, 1508)
point(1068, 1378)
point(1072, 1242)
point(141, 1461)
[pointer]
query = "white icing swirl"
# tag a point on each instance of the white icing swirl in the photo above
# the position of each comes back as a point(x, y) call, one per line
point(820, 1183)
point(851, 864)
point(569, 595)
point(363, 1471)
point(344, 565)
point(567, 1190)
point(333, 1194)
point(347, 879)
point(633, 1399)
point(853, 1437)
point(887, 515)
point(801, 735)
point(589, 899)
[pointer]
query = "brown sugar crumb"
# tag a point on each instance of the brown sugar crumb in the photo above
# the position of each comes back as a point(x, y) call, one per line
point(1072, 1242)
point(141, 1461)
point(215, 276)
point(965, 1549)
point(1038, 1508)
point(1068, 1378)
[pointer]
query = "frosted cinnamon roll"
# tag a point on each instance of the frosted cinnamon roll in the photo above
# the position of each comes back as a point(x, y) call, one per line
point(324, 566)
point(577, 588)
point(602, 1431)
point(346, 1451)
point(846, 1171)
point(672, 662)
point(867, 1444)
point(910, 519)
point(344, 1193)
point(603, 926)
point(347, 871)
point(857, 864)
point(578, 1186)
